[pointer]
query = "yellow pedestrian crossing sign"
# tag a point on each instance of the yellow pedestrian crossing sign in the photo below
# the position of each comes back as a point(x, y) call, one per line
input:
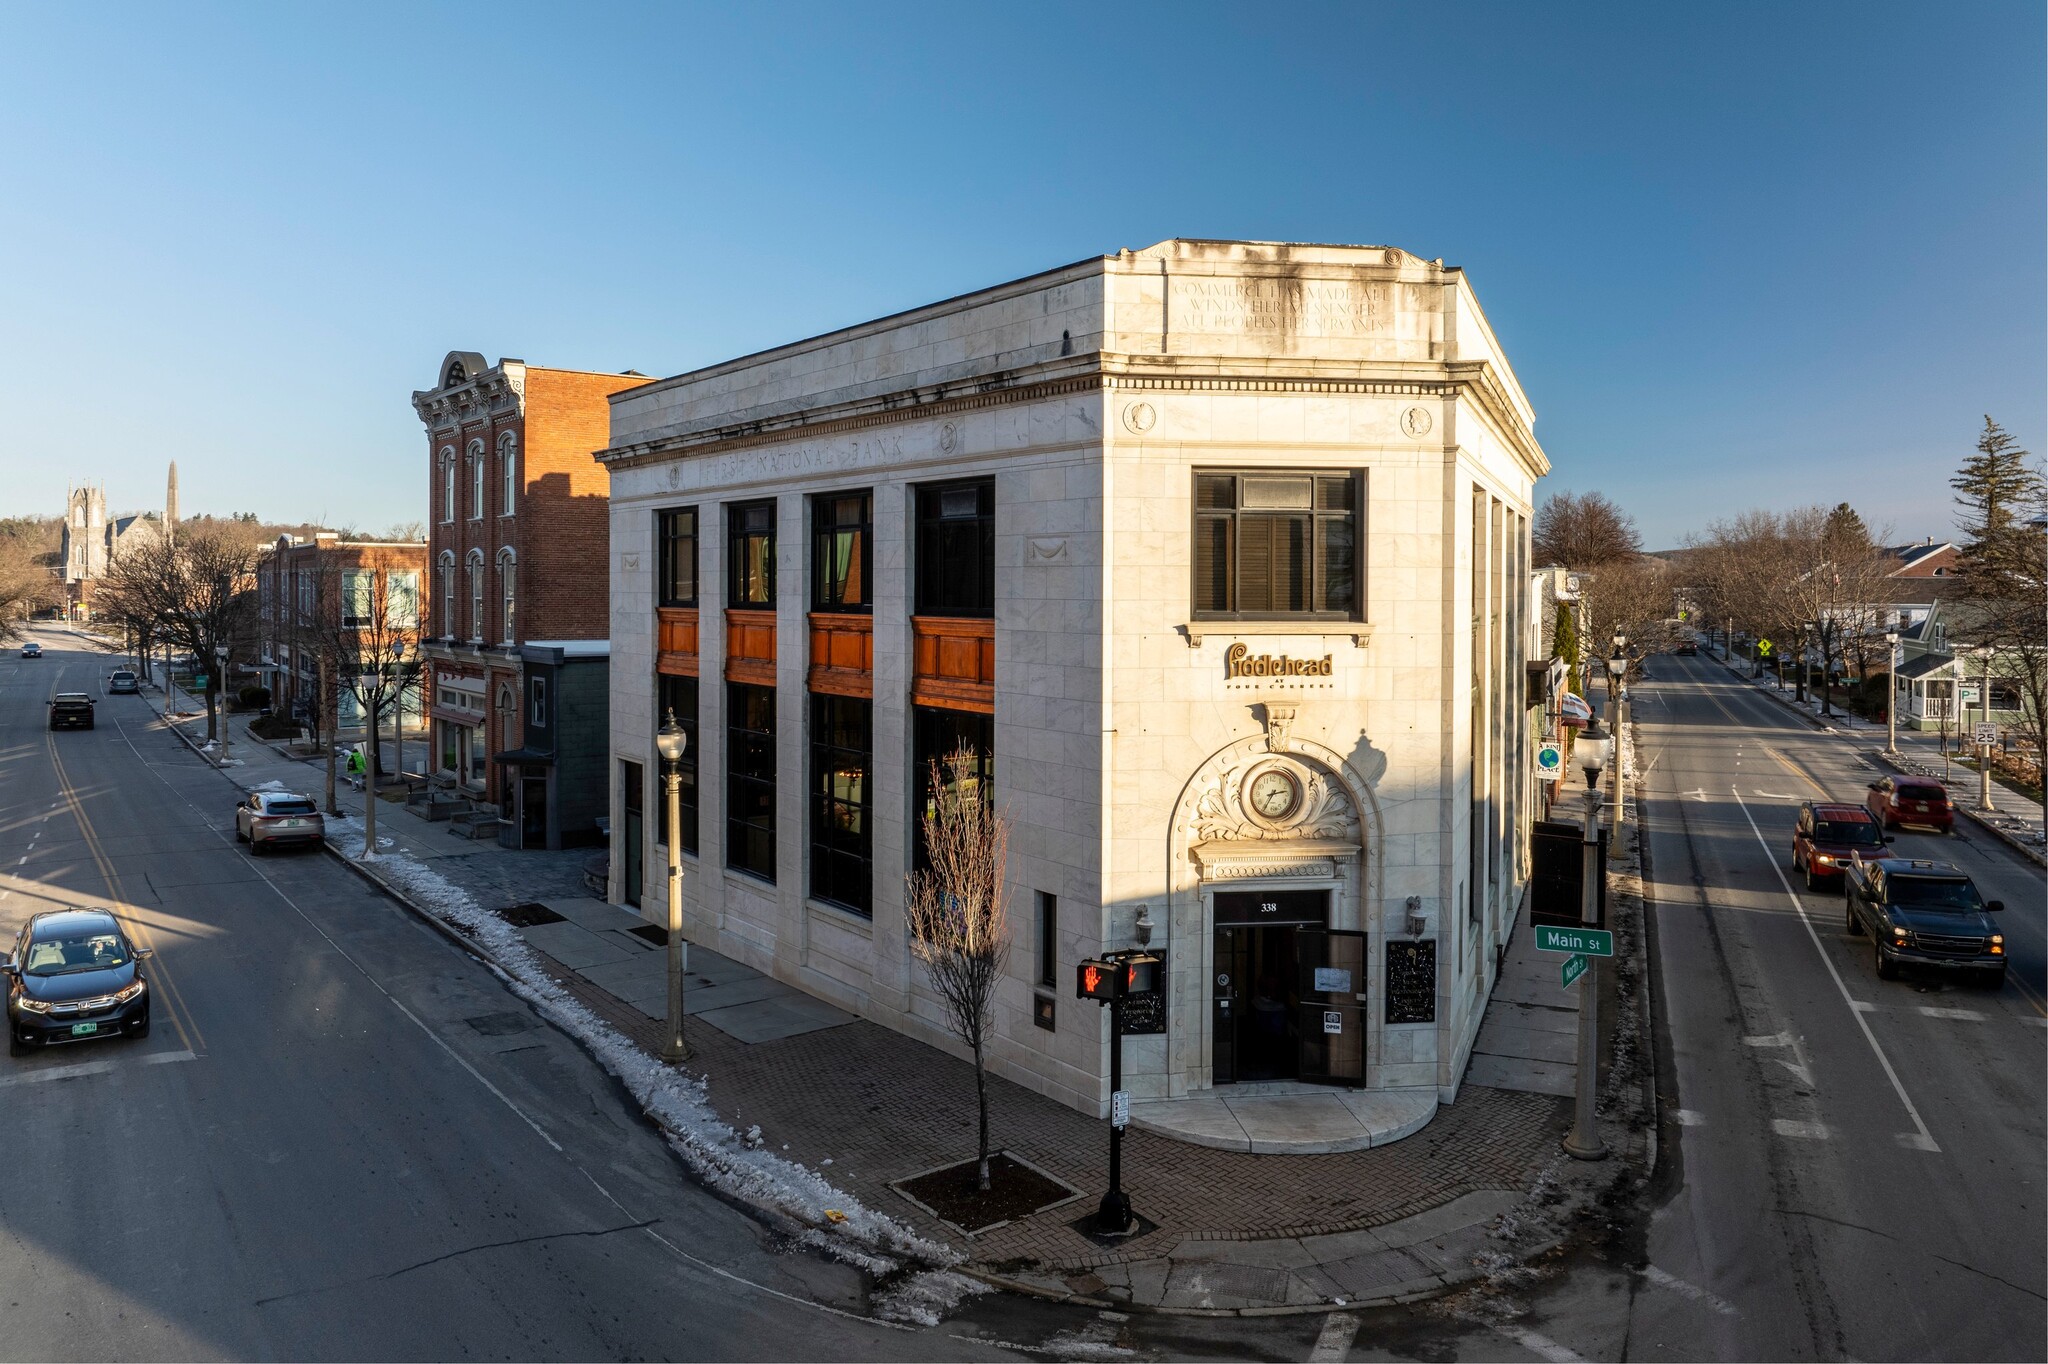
point(1763, 646)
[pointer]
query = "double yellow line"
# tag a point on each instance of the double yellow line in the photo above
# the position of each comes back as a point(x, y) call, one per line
point(159, 970)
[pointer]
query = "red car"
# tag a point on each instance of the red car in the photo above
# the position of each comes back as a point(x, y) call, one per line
point(1827, 836)
point(1921, 801)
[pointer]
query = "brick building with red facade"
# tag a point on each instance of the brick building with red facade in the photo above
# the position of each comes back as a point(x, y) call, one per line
point(310, 596)
point(518, 594)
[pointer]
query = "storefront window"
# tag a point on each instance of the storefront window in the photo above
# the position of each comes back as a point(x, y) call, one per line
point(677, 696)
point(956, 550)
point(842, 743)
point(676, 536)
point(750, 571)
point(937, 735)
point(840, 549)
point(1276, 544)
point(750, 779)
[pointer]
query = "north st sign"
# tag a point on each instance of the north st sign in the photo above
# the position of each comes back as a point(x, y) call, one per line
point(1594, 942)
point(1574, 967)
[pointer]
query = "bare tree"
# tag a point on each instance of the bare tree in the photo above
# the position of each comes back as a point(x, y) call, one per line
point(959, 927)
point(26, 584)
point(367, 637)
point(194, 594)
point(1583, 530)
point(1836, 579)
point(1633, 596)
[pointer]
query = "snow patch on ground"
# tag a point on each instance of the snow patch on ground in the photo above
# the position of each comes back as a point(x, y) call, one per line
point(926, 1297)
point(707, 1143)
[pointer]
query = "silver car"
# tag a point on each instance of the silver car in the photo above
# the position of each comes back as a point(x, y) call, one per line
point(266, 819)
point(121, 682)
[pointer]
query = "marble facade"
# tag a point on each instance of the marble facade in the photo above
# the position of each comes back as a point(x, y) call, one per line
point(1127, 731)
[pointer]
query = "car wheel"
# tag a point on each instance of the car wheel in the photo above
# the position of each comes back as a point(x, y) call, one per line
point(139, 1030)
point(255, 848)
point(1887, 969)
point(1994, 980)
point(240, 837)
point(1849, 919)
point(15, 1046)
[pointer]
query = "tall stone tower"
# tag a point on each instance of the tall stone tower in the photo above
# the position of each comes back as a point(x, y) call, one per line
point(85, 534)
point(171, 506)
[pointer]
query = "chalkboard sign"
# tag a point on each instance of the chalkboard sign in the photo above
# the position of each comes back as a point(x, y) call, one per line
point(1143, 1015)
point(1411, 981)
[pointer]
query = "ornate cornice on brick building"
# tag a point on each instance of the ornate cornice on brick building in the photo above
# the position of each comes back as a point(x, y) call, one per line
point(497, 392)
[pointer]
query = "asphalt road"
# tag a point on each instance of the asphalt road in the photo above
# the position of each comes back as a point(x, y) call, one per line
point(1851, 1168)
point(344, 1138)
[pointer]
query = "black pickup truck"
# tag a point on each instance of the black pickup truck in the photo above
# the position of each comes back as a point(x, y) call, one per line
point(71, 710)
point(1923, 913)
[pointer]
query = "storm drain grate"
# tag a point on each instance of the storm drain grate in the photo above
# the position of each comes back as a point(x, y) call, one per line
point(653, 933)
point(529, 915)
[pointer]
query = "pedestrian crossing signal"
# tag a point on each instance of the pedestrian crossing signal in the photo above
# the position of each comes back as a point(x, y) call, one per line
point(1097, 982)
point(1141, 975)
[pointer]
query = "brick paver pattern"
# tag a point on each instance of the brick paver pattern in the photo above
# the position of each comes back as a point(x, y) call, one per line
point(882, 1107)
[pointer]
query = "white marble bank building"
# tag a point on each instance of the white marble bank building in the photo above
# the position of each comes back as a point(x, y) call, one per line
point(1214, 550)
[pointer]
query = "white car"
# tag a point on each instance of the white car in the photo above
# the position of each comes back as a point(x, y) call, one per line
point(266, 819)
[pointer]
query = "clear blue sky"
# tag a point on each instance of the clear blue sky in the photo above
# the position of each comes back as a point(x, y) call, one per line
point(1739, 254)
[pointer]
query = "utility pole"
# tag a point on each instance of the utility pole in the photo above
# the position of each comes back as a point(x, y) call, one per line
point(1984, 750)
point(1891, 706)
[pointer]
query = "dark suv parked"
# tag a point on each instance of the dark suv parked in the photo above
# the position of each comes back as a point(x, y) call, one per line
point(1925, 914)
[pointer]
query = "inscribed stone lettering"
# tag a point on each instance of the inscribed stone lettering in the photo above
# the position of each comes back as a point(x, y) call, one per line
point(1411, 981)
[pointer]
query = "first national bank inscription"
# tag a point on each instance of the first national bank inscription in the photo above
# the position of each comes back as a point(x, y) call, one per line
point(1239, 661)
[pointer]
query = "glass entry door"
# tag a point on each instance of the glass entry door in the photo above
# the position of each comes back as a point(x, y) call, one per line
point(1257, 1006)
point(1330, 984)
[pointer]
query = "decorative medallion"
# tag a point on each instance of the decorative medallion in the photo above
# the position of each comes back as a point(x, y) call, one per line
point(1310, 803)
point(1416, 421)
point(1140, 418)
point(949, 436)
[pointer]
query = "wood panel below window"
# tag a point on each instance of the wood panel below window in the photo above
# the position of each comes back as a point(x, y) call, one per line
point(842, 654)
point(750, 647)
point(676, 630)
point(953, 663)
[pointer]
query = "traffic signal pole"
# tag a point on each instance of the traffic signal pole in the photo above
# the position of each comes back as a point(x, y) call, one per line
point(1113, 1216)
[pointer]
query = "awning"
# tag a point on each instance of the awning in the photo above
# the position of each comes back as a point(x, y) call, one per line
point(531, 757)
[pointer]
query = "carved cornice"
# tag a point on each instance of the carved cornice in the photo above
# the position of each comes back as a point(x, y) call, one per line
point(495, 393)
point(1105, 372)
point(1305, 859)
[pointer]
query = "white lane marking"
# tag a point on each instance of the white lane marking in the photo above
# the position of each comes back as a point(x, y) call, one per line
point(1960, 1015)
point(1919, 1124)
point(1690, 1118)
point(1913, 1141)
point(1862, 1006)
point(1540, 1345)
point(1333, 1346)
point(1774, 795)
point(1805, 1075)
point(1690, 1290)
point(1804, 1131)
point(1776, 1039)
point(100, 1067)
point(2036, 1022)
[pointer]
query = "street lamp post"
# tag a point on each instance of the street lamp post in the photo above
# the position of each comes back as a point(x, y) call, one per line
point(1617, 702)
point(398, 713)
point(1984, 750)
point(1891, 681)
point(220, 682)
point(1583, 1141)
point(670, 743)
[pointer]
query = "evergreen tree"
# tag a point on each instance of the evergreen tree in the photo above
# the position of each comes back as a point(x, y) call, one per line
point(1845, 530)
point(1997, 489)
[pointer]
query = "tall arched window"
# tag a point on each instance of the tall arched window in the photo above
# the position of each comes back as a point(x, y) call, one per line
point(508, 572)
point(445, 586)
point(508, 471)
point(476, 594)
point(476, 480)
point(447, 483)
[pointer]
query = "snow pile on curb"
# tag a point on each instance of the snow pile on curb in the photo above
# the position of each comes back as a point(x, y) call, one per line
point(706, 1142)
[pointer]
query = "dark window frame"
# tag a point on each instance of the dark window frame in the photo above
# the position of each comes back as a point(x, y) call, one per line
point(842, 869)
point(667, 689)
point(928, 745)
point(833, 575)
point(745, 589)
point(945, 585)
point(1204, 523)
point(1048, 940)
point(669, 540)
point(749, 783)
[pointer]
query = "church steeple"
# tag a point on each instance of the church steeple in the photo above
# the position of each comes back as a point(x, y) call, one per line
point(171, 505)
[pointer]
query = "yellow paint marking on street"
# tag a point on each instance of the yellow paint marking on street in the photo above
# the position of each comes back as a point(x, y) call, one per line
point(174, 1000)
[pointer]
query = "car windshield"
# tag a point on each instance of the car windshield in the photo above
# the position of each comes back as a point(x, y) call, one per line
point(1860, 832)
point(60, 955)
point(288, 807)
point(1925, 892)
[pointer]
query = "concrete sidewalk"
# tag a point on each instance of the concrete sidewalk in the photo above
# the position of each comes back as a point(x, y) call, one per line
point(2015, 819)
point(1481, 1186)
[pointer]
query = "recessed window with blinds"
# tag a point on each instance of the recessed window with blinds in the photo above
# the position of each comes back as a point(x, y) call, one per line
point(1277, 543)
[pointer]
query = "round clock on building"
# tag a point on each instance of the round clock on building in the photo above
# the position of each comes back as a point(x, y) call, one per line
point(1273, 794)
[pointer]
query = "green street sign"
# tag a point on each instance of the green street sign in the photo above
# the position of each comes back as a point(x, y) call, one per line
point(1574, 966)
point(1594, 942)
point(1763, 646)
